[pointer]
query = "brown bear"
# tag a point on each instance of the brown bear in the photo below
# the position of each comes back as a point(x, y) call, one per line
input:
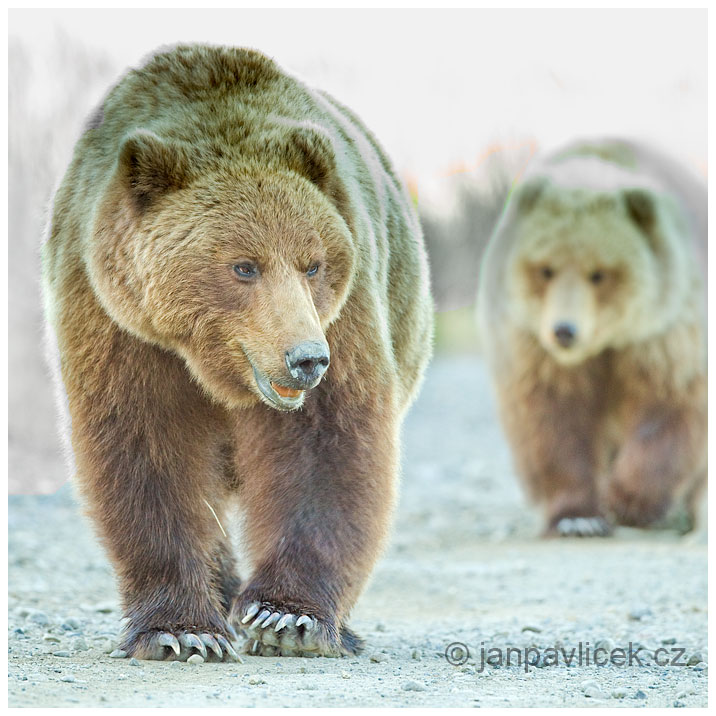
point(239, 292)
point(592, 315)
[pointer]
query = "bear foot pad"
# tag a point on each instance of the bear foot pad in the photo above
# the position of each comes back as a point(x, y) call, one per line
point(167, 646)
point(271, 631)
point(582, 527)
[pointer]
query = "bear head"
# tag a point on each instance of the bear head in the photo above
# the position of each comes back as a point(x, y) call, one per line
point(239, 265)
point(587, 267)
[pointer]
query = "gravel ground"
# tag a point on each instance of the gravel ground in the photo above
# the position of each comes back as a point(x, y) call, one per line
point(464, 565)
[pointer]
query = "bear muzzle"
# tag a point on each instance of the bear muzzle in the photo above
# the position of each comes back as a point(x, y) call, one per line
point(565, 333)
point(306, 364)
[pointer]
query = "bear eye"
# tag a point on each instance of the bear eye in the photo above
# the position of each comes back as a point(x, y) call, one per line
point(313, 270)
point(547, 272)
point(596, 276)
point(245, 270)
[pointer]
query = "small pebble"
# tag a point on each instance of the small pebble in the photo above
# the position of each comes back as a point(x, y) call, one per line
point(606, 645)
point(694, 659)
point(594, 692)
point(345, 675)
point(377, 658)
point(255, 680)
point(61, 653)
point(71, 624)
point(51, 637)
point(70, 679)
point(380, 626)
point(670, 640)
point(619, 694)
point(530, 627)
point(416, 655)
point(39, 618)
point(638, 613)
point(118, 654)
point(195, 659)
point(176, 663)
point(413, 686)
point(104, 608)
point(80, 645)
point(639, 695)
point(134, 662)
point(679, 704)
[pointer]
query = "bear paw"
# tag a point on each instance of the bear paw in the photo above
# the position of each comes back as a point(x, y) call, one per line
point(580, 527)
point(179, 646)
point(636, 507)
point(272, 631)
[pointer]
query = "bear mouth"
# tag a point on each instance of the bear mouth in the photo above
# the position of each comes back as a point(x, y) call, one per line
point(276, 395)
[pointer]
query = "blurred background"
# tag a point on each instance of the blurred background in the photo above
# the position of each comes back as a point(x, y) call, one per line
point(462, 100)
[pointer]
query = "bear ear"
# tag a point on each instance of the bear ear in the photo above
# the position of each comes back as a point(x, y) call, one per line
point(151, 167)
point(314, 156)
point(529, 193)
point(641, 207)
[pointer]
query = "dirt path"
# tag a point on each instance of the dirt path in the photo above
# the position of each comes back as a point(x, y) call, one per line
point(463, 566)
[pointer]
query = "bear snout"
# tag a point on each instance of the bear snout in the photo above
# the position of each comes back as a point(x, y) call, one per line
point(308, 361)
point(565, 334)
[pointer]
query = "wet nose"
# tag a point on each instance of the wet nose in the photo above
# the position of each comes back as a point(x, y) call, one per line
point(565, 333)
point(307, 362)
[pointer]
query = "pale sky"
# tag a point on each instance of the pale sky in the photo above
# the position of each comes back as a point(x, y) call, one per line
point(437, 86)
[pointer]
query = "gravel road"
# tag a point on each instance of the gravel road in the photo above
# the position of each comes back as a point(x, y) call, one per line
point(464, 565)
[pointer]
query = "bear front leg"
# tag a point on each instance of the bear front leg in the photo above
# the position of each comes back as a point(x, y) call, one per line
point(318, 491)
point(553, 427)
point(663, 457)
point(149, 467)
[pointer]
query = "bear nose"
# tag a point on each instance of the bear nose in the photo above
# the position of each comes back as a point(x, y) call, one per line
point(307, 362)
point(565, 333)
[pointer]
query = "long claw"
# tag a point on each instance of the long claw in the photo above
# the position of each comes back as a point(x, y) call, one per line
point(271, 619)
point(192, 641)
point(305, 620)
point(255, 647)
point(167, 639)
point(260, 618)
point(212, 644)
point(283, 621)
point(224, 643)
point(232, 632)
point(250, 613)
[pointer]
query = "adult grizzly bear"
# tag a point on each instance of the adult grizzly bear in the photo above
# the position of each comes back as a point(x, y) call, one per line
point(221, 234)
point(592, 317)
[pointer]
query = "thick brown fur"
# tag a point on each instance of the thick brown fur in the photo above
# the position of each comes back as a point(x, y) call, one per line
point(205, 159)
point(604, 237)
